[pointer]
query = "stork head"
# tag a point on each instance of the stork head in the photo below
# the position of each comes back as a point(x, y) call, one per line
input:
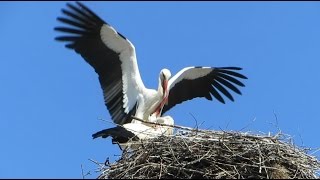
point(165, 75)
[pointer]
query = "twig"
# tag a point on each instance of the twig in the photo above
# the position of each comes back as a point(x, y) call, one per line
point(174, 126)
point(82, 173)
point(254, 119)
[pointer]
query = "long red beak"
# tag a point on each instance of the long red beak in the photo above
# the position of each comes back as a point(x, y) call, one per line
point(165, 98)
point(165, 90)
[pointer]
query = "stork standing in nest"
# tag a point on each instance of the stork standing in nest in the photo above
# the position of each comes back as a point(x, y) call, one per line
point(113, 58)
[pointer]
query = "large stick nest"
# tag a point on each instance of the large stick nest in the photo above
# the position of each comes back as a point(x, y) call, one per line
point(213, 155)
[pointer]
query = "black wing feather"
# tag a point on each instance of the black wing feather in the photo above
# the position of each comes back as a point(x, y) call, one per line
point(82, 34)
point(118, 134)
point(218, 80)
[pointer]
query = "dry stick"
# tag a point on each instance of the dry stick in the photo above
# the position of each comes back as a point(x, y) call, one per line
point(160, 169)
point(82, 172)
point(174, 126)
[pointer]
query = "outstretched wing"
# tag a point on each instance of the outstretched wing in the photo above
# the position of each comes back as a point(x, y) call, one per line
point(119, 134)
point(193, 82)
point(110, 54)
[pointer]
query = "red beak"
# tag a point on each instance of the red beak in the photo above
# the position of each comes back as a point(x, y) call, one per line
point(165, 98)
point(165, 91)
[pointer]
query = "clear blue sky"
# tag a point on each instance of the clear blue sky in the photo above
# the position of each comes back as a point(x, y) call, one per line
point(51, 99)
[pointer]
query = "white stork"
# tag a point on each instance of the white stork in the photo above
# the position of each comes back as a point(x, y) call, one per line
point(128, 134)
point(113, 58)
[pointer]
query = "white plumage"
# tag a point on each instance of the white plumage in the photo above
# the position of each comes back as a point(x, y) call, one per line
point(130, 134)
